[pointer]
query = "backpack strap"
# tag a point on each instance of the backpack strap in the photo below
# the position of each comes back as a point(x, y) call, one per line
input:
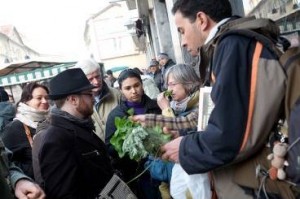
point(256, 56)
point(262, 26)
point(264, 30)
point(266, 41)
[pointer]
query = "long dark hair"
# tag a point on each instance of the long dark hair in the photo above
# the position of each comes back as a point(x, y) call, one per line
point(28, 89)
point(128, 73)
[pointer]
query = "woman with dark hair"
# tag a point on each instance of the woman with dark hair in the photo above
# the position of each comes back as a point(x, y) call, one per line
point(17, 136)
point(131, 86)
point(149, 85)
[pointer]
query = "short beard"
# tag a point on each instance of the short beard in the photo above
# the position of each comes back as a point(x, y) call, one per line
point(84, 109)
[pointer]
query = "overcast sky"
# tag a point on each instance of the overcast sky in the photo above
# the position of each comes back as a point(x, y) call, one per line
point(50, 26)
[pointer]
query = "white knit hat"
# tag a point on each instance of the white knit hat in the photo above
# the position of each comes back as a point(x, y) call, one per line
point(87, 65)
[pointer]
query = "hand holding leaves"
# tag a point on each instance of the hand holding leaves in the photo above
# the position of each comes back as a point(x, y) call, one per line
point(136, 141)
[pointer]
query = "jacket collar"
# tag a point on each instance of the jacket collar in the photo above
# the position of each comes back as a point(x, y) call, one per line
point(80, 131)
point(104, 93)
point(194, 101)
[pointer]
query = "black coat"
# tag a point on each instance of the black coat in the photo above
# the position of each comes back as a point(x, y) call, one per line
point(73, 160)
point(158, 80)
point(37, 141)
point(15, 139)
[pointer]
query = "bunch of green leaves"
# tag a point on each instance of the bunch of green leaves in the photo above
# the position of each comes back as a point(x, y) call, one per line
point(124, 128)
point(155, 139)
point(168, 94)
point(136, 141)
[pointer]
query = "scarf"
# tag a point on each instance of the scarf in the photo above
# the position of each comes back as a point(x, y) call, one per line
point(137, 106)
point(85, 123)
point(30, 116)
point(181, 106)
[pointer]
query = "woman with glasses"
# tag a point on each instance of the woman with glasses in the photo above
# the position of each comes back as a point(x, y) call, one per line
point(183, 84)
point(18, 134)
point(133, 96)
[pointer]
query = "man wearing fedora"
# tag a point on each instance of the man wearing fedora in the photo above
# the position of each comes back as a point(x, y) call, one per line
point(106, 97)
point(73, 160)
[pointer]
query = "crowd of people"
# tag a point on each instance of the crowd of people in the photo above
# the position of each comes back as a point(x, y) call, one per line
point(63, 149)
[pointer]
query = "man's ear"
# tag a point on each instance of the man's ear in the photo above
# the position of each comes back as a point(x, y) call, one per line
point(202, 21)
point(73, 99)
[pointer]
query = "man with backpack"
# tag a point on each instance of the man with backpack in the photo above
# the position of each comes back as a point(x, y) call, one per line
point(248, 86)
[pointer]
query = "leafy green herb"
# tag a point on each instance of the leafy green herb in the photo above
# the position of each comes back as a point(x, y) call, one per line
point(130, 111)
point(168, 93)
point(136, 141)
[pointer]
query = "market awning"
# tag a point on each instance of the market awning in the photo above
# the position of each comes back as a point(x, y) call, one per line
point(33, 70)
point(118, 68)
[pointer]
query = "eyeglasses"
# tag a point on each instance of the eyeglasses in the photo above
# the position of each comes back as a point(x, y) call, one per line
point(172, 84)
point(88, 94)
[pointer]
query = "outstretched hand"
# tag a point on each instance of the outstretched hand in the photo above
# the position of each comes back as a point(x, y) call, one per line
point(162, 101)
point(26, 189)
point(170, 151)
point(139, 118)
point(173, 133)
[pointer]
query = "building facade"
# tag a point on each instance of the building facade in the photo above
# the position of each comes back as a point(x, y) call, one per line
point(286, 13)
point(12, 47)
point(111, 36)
point(161, 32)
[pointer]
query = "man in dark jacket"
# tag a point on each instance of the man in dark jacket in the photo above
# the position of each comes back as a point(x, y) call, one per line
point(110, 78)
point(73, 160)
point(165, 63)
point(220, 142)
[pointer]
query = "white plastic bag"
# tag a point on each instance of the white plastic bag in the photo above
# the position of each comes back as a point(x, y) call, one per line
point(197, 184)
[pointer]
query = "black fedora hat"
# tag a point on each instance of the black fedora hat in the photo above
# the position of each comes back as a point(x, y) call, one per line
point(68, 82)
